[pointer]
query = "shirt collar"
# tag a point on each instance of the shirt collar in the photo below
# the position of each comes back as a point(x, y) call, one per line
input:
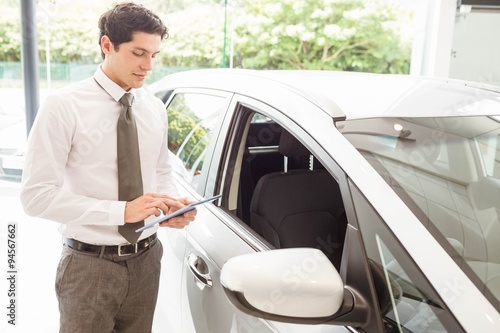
point(113, 89)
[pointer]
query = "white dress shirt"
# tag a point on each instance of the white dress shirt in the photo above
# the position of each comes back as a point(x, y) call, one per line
point(70, 173)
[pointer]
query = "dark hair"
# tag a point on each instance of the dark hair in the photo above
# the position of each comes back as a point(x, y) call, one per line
point(120, 22)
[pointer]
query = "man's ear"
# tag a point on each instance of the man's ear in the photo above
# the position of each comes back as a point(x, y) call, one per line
point(106, 44)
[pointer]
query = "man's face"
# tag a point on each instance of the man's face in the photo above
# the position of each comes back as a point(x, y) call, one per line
point(129, 65)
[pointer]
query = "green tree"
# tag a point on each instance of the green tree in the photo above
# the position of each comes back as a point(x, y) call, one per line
point(185, 131)
point(70, 26)
point(195, 37)
point(352, 35)
point(10, 36)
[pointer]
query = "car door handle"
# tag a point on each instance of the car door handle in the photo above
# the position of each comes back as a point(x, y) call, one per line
point(199, 269)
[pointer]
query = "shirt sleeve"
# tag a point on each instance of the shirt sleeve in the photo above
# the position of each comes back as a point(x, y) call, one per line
point(42, 193)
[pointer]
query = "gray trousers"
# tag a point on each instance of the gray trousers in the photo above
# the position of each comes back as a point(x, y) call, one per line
point(108, 293)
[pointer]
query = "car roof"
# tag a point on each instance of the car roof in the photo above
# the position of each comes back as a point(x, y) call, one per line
point(348, 95)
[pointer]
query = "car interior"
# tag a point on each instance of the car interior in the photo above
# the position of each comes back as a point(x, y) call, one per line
point(286, 195)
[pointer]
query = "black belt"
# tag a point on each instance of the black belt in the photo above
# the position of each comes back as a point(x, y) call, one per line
point(121, 250)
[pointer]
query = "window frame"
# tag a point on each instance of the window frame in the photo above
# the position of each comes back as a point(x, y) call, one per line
point(200, 188)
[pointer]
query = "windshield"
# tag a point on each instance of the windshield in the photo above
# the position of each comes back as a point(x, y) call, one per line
point(447, 170)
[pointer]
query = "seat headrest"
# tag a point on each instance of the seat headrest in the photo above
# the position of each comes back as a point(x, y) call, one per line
point(291, 147)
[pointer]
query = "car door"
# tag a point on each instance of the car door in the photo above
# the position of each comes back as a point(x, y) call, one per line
point(211, 240)
point(223, 231)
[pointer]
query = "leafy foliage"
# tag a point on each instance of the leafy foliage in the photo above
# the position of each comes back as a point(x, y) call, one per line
point(352, 35)
point(195, 37)
point(10, 38)
point(186, 137)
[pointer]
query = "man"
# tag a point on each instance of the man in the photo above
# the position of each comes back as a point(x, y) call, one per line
point(106, 280)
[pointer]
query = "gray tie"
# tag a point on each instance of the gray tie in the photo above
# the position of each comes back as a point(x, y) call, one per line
point(129, 164)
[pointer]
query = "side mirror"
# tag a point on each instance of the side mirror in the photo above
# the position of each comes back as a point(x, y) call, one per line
point(297, 285)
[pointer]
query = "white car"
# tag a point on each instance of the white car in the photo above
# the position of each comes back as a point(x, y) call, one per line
point(351, 202)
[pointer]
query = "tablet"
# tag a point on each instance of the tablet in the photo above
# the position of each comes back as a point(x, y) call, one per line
point(178, 212)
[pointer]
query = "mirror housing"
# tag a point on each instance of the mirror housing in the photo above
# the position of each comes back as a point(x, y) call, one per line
point(298, 285)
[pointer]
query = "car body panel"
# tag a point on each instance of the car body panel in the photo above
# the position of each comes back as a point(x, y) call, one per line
point(311, 105)
point(348, 94)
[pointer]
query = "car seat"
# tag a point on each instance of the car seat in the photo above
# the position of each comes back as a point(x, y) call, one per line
point(299, 207)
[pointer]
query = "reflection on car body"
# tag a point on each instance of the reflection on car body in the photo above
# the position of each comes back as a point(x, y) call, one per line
point(351, 202)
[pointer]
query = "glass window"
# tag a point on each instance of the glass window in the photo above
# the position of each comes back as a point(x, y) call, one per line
point(407, 306)
point(447, 172)
point(489, 148)
point(407, 302)
point(191, 120)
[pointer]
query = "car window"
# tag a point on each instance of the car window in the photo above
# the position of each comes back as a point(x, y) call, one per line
point(407, 302)
point(489, 148)
point(191, 120)
point(446, 171)
point(407, 306)
point(276, 187)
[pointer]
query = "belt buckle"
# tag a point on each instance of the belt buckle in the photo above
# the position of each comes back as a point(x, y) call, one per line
point(120, 254)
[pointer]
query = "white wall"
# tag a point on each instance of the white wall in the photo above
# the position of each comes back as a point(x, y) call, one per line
point(476, 47)
point(456, 43)
point(432, 44)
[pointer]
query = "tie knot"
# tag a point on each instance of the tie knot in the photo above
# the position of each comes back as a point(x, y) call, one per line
point(127, 99)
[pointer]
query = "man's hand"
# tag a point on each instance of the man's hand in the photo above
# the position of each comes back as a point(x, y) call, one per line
point(179, 222)
point(150, 204)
